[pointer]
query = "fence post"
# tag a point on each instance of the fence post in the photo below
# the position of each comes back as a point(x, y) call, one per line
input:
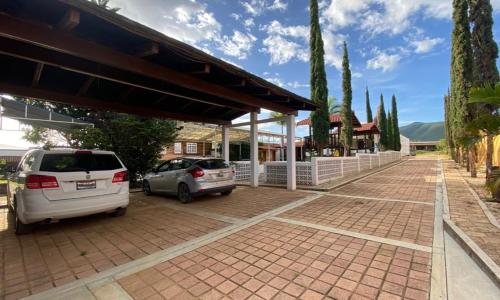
point(314, 171)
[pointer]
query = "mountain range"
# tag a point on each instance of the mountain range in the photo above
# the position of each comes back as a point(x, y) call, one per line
point(419, 131)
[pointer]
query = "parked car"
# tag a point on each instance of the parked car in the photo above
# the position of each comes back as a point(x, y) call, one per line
point(51, 185)
point(190, 177)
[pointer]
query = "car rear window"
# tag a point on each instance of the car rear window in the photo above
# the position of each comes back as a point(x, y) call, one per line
point(211, 164)
point(70, 162)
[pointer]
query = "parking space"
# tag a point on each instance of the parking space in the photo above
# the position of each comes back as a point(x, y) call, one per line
point(409, 222)
point(244, 202)
point(59, 253)
point(275, 260)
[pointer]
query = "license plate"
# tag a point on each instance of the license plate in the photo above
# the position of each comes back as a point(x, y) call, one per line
point(85, 185)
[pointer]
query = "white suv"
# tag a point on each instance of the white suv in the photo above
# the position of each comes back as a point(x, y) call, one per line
point(58, 184)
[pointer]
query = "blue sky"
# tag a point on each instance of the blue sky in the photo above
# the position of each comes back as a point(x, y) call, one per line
point(399, 47)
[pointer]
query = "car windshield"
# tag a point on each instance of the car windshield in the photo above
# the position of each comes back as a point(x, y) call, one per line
point(211, 164)
point(72, 162)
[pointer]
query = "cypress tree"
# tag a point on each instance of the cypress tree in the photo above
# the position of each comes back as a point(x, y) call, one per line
point(395, 125)
point(390, 133)
point(448, 121)
point(461, 70)
point(382, 124)
point(346, 112)
point(319, 90)
point(369, 117)
point(485, 54)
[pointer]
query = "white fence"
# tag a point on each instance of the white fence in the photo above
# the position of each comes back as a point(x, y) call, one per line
point(323, 169)
point(242, 170)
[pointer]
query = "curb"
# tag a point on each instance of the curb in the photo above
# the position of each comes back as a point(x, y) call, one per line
point(473, 250)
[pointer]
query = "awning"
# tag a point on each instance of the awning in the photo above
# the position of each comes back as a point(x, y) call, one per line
point(36, 116)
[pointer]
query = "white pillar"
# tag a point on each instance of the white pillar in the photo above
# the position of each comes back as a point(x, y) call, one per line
point(291, 178)
point(254, 151)
point(225, 143)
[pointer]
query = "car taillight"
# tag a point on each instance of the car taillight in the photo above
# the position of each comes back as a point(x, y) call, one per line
point(41, 182)
point(197, 172)
point(120, 177)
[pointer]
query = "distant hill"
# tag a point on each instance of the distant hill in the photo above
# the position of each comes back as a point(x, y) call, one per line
point(419, 131)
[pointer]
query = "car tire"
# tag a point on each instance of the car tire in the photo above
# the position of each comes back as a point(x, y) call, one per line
point(226, 193)
point(19, 226)
point(184, 194)
point(119, 212)
point(146, 188)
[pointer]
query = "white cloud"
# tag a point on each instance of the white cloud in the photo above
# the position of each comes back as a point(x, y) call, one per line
point(383, 61)
point(282, 50)
point(425, 45)
point(238, 45)
point(258, 7)
point(249, 22)
point(383, 16)
point(235, 16)
point(276, 80)
point(275, 28)
point(297, 85)
point(187, 21)
point(357, 75)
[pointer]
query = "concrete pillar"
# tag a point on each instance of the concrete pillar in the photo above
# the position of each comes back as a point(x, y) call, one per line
point(254, 151)
point(225, 143)
point(291, 178)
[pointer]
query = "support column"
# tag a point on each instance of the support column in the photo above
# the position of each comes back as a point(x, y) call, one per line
point(225, 143)
point(291, 178)
point(254, 151)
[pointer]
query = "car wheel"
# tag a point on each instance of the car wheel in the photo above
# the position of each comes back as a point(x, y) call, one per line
point(226, 193)
point(146, 188)
point(20, 227)
point(121, 211)
point(184, 194)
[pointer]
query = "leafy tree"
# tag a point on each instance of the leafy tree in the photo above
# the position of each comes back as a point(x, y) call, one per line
point(104, 4)
point(319, 91)
point(333, 106)
point(485, 54)
point(382, 124)
point(461, 71)
point(390, 132)
point(369, 117)
point(346, 112)
point(395, 125)
point(138, 141)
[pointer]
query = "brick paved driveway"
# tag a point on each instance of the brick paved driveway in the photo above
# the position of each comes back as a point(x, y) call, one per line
point(307, 245)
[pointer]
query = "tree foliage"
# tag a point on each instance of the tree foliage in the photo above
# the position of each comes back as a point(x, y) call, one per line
point(390, 132)
point(333, 106)
point(105, 4)
point(138, 141)
point(461, 70)
point(346, 111)
point(319, 91)
point(382, 124)
point(395, 125)
point(369, 116)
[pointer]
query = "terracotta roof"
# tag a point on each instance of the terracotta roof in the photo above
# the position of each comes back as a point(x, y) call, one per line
point(367, 128)
point(334, 118)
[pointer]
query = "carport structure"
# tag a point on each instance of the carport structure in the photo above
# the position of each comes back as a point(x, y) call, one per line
point(74, 52)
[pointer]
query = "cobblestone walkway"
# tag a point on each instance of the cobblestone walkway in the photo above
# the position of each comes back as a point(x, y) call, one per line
point(467, 214)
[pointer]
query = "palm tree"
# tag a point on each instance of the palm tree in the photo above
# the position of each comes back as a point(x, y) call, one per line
point(104, 4)
point(282, 123)
point(333, 106)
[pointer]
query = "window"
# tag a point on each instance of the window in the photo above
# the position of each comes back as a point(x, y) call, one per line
point(177, 148)
point(191, 148)
point(69, 162)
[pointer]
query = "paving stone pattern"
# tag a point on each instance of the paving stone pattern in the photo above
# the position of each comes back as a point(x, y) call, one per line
point(468, 215)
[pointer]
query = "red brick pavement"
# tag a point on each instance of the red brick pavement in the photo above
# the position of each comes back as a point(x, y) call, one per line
point(283, 261)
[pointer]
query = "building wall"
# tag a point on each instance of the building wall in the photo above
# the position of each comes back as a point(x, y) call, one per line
point(405, 145)
point(481, 147)
point(170, 152)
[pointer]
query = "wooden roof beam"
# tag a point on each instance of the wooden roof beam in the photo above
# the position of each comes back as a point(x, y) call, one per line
point(147, 49)
point(198, 68)
point(70, 20)
point(37, 74)
point(85, 86)
point(64, 43)
point(28, 52)
point(38, 93)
